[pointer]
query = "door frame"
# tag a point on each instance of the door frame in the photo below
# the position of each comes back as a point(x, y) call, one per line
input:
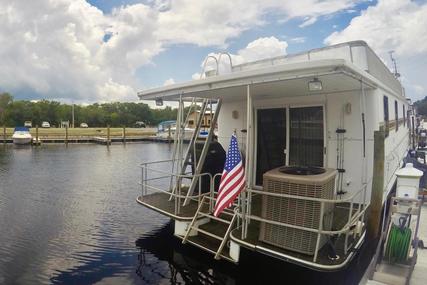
point(287, 108)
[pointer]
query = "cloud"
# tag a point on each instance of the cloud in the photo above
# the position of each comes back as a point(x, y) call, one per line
point(66, 49)
point(256, 50)
point(398, 25)
point(298, 40)
point(308, 21)
point(169, 81)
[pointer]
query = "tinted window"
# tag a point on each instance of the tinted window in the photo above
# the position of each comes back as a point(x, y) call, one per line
point(385, 101)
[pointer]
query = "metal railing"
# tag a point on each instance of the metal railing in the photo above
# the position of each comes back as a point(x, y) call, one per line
point(171, 184)
point(356, 214)
point(156, 178)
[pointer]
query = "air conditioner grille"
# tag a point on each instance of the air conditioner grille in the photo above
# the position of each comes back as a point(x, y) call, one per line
point(297, 212)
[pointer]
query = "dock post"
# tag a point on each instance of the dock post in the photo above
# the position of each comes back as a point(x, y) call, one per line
point(4, 134)
point(375, 208)
point(37, 134)
point(124, 134)
point(108, 134)
point(66, 134)
point(169, 133)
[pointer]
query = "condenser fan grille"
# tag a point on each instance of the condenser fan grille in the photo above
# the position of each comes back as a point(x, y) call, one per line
point(295, 211)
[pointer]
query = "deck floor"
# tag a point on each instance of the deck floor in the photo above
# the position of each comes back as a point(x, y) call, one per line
point(340, 218)
point(159, 202)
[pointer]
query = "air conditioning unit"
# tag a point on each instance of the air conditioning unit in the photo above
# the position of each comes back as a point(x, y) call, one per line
point(298, 181)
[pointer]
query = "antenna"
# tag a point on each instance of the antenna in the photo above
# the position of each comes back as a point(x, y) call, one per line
point(393, 60)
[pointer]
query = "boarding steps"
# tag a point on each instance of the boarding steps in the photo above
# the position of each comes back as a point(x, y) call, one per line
point(213, 235)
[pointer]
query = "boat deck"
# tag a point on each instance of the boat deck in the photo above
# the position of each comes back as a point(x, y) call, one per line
point(323, 261)
point(160, 202)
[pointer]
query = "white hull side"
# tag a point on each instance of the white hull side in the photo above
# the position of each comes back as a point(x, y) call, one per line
point(21, 139)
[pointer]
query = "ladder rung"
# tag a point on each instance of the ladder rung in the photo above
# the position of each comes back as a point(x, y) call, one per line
point(215, 218)
point(208, 233)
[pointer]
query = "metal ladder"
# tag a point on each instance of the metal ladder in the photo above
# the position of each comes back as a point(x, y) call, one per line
point(199, 164)
point(223, 239)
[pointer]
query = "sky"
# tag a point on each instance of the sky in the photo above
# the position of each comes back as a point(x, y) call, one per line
point(86, 51)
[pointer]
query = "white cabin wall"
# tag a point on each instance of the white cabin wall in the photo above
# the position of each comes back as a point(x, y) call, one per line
point(397, 142)
point(344, 111)
point(227, 124)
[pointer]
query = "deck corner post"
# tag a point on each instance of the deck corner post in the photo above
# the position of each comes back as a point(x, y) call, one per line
point(375, 209)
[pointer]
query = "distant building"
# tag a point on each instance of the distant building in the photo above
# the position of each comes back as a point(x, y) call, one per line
point(206, 120)
point(65, 124)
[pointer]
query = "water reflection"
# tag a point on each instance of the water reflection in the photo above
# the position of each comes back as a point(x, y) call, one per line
point(163, 258)
point(69, 216)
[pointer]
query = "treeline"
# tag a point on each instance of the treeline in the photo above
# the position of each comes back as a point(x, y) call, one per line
point(421, 106)
point(15, 113)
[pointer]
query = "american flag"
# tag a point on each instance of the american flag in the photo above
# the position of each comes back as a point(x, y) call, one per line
point(233, 178)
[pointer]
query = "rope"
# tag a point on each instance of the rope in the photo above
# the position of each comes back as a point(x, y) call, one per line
point(399, 240)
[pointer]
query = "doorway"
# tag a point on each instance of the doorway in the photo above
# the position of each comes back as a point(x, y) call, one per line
point(296, 132)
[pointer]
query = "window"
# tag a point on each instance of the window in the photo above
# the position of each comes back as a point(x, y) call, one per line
point(404, 116)
point(396, 115)
point(385, 101)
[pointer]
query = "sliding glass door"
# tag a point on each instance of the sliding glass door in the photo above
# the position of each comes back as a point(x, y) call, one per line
point(296, 132)
point(271, 140)
point(306, 136)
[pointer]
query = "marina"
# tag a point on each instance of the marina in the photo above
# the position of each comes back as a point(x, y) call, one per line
point(76, 218)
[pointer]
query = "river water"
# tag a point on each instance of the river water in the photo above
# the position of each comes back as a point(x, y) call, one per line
point(68, 216)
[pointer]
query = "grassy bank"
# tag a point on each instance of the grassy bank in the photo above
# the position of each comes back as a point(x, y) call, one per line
point(85, 132)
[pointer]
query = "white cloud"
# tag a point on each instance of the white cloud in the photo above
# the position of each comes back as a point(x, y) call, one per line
point(259, 49)
point(399, 25)
point(308, 21)
point(71, 49)
point(169, 81)
point(298, 40)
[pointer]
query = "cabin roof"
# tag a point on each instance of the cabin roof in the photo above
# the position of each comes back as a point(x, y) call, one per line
point(353, 62)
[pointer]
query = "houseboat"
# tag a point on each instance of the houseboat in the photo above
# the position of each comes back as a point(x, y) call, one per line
point(312, 128)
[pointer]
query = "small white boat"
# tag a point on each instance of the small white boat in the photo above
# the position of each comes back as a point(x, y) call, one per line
point(21, 135)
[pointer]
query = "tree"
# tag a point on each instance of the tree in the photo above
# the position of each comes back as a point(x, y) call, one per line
point(5, 100)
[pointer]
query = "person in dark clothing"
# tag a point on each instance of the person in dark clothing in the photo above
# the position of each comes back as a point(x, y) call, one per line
point(215, 161)
point(213, 164)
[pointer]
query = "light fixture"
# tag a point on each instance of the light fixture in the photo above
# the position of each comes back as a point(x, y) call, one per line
point(315, 85)
point(159, 102)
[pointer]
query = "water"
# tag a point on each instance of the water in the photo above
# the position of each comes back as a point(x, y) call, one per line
point(68, 216)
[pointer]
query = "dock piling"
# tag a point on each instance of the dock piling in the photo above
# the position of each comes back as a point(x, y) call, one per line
point(4, 134)
point(37, 134)
point(124, 134)
point(66, 134)
point(375, 211)
point(108, 135)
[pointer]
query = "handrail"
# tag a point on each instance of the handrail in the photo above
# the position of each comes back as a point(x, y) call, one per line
point(332, 201)
point(160, 161)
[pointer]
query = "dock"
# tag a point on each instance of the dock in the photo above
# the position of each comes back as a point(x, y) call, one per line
point(94, 140)
point(395, 274)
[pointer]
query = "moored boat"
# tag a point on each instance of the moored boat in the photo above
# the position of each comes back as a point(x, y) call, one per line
point(322, 134)
point(21, 135)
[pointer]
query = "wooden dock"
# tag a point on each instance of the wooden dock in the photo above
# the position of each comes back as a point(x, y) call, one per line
point(93, 140)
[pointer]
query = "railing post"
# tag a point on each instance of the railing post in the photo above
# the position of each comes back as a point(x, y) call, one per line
point(142, 180)
point(322, 209)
